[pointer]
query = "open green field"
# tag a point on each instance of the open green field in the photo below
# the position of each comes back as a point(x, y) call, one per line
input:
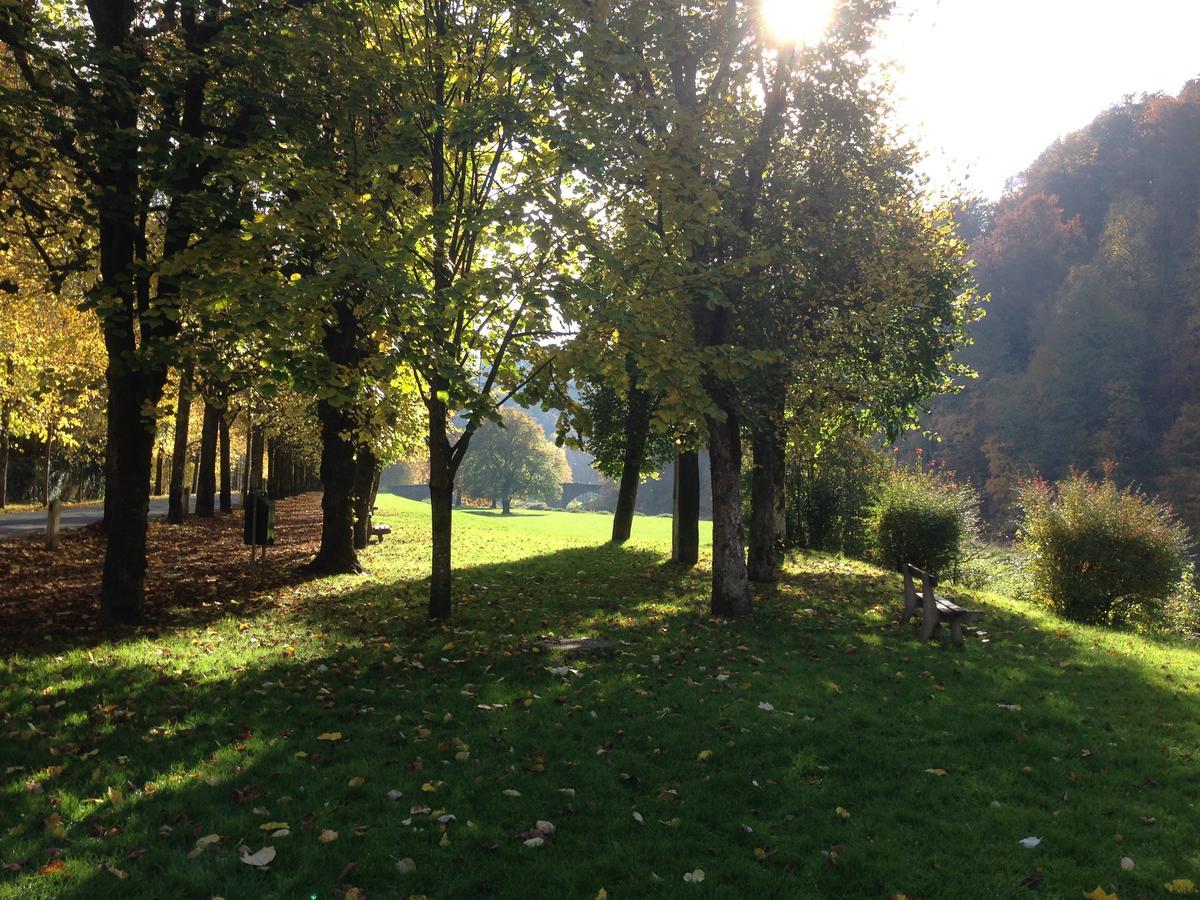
point(816, 750)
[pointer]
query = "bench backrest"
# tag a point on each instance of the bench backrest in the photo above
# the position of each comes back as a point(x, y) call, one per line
point(928, 600)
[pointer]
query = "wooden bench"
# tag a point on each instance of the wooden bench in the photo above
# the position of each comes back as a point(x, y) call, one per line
point(933, 609)
point(375, 531)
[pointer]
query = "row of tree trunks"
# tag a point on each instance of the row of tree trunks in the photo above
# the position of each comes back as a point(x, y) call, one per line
point(183, 412)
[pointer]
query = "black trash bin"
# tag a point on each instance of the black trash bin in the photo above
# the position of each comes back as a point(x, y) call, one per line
point(260, 520)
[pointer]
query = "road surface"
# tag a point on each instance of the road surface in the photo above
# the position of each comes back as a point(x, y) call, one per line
point(26, 523)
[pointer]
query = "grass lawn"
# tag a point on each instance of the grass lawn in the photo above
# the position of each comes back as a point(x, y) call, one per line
point(816, 750)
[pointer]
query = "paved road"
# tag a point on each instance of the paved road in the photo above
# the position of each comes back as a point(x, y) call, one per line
point(19, 524)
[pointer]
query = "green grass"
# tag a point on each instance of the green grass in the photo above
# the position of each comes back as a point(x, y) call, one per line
point(214, 731)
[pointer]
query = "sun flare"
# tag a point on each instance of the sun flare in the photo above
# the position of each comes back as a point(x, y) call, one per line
point(797, 21)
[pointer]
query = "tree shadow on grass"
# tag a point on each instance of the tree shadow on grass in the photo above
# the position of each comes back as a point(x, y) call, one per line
point(860, 712)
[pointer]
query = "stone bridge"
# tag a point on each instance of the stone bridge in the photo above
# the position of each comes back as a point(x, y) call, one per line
point(574, 491)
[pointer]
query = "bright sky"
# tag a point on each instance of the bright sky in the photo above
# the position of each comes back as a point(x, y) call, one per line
point(985, 85)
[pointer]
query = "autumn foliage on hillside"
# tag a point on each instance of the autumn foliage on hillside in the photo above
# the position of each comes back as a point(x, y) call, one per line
point(1089, 349)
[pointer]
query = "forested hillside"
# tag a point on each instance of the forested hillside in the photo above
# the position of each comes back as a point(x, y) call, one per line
point(1088, 354)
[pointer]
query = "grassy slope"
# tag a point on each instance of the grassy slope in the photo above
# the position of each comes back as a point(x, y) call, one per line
point(200, 730)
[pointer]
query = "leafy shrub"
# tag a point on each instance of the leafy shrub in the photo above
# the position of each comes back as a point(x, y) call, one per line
point(1102, 554)
point(924, 518)
point(829, 495)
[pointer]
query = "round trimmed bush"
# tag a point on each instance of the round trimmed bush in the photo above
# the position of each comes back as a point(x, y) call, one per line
point(923, 518)
point(1102, 554)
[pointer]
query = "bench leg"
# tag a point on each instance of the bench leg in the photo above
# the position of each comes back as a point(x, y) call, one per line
point(929, 625)
point(956, 631)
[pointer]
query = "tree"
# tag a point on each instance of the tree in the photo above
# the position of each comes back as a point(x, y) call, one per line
point(706, 110)
point(513, 460)
point(621, 436)
point(138, 105)
point(477, 92)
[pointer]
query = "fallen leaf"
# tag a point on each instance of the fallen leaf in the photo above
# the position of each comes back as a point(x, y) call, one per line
point(115, 797)
point(935, 772)
point(1126, 863)
point(704, 755)
point(406, 866)
point(842, 812)
point(694, 877)
point(356, 781)
point(1180, 886)
point(272, 826)
point(327, 836)
point(330, 736)
point(535, 842)
point(262, 858)
point(1030, 842)
point(510, 792)
point(1099, 894)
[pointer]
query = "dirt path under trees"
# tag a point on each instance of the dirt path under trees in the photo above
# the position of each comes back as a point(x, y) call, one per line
point(194, 573)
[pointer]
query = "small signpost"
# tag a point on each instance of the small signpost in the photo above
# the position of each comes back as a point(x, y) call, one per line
point(260, 523)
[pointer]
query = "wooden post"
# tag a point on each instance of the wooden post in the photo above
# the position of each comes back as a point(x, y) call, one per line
point(53, 521)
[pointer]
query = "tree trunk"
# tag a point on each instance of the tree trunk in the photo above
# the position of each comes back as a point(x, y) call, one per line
point(767, 497)
point(506, 505)
point(127, 491)
point(5, 425)
point(158, 472)
point(730, 582)
point(637, 427)
point(4, 420)
point(206, 484)
point(258, 440)
point(685, 524)
point(226, 486)
point(443, 467)
point(46, 468)
point(175, 511)
point(336, 553)
point(364, 495)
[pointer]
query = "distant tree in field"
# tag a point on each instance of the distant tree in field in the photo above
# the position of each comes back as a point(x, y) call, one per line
point(513, 460)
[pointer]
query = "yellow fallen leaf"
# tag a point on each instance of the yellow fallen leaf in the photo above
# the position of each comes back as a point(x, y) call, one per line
point(300, 754)
point(356, 781)
point(1180, 886)
point(449, 645)
point(602, 894)
point(511, 792)
point(704, 755)
point(330, 736)
point(935, 771)
point(326, 836)
point(429, 787)
point(842, 812)
point(1099, 894)
point(115, 797)
point(272, 826)
point(445, 841)
point(760, 853)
